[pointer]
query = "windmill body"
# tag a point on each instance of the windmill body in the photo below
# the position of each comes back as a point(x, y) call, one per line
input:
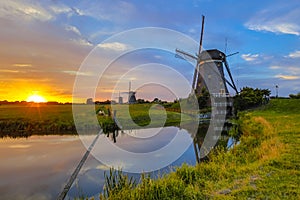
point(131, 97)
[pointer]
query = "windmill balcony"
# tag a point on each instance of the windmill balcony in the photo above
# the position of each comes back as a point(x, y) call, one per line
point(220, 95)
point(222, 104)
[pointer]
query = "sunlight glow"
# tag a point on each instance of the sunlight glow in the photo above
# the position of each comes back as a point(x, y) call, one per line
point(36, 98)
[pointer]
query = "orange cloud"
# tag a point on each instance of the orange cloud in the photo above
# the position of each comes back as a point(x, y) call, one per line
point(287, 77)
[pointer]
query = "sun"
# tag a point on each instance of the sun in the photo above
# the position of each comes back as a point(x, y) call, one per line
point(36, 99)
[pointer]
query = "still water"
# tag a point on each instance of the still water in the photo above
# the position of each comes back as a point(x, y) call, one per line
point(38, 167)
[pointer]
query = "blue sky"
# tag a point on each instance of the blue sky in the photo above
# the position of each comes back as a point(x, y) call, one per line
point(43, 43)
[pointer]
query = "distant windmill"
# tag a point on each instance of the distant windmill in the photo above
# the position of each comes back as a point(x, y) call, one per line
point(131, 95)
point(120, 98)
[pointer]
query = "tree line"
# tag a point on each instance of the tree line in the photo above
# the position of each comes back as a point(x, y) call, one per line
point(250, 98)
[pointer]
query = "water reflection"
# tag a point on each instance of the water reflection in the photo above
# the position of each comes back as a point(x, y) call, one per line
point(39, 166)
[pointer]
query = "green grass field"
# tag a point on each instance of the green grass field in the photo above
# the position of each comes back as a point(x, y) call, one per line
point(25, 120)
point(36, 112)
point(265, 165)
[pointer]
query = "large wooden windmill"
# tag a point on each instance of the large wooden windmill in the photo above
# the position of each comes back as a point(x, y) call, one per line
point(209, 69)
point(210, 74)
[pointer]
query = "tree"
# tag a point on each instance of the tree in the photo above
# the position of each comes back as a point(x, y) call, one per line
point(249, 97)
point(141, 101)
point(156, 100)
point(295, 96)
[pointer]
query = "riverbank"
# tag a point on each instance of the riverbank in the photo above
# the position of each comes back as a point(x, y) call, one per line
point(265, 165)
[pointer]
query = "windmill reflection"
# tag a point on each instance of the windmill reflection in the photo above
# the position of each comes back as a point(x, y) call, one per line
point(204, 138)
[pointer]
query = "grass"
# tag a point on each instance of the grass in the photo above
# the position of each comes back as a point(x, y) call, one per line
point(39, 119)
point(150, 115)
point(265, 165)
point(23, 121)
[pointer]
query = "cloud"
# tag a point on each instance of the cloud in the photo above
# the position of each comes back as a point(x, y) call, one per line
point(279, 19)
point(291, 69)
point(82, 42)
point(250, 57)
point(34, 10)
point(9, 71)
point(73, 29)
point(22, 65)
point(115, 46)
point(283, 28)
point(22, 10)
point(287, 77)
point(105, 10)
point(60, 8)
point(77, 73)
point(275, 67)
point(295, 54)
point(294, 70)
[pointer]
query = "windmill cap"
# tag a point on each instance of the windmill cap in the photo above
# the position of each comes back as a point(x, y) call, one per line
point(212, 54)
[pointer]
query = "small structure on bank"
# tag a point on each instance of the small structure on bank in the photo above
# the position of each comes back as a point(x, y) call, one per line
point(89, 101)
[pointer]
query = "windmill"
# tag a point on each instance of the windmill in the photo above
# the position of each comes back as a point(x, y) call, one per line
point(120, 98)
point(209, 74)
point(131, 95)
point(206, 60)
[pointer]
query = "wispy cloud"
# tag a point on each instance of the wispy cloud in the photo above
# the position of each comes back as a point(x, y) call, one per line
point(9, 71)
point(275, 67)
point(24, 11)
point(115, 46)
point(295, 54)
point(77, 73)
point(107, 11)
point(287, 77)
point(59, 8)
point(82, 42)
point(284, 28)
point(280, 19)
point(34, 10)
point(73, 29)
point(250, 57)
point(291, 69)
point(22, 65)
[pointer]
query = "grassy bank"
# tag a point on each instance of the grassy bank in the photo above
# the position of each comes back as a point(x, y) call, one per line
point(265, 165)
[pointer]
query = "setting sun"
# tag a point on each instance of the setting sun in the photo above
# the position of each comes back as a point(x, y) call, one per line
point(36, 98)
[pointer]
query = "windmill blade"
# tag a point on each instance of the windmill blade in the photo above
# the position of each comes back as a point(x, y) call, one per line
point(184, 55)
point(232, 54)
point(190, 57)
point(230, 76)
point(180, 57)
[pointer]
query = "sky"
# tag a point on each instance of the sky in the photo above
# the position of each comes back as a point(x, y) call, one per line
point(45, 43)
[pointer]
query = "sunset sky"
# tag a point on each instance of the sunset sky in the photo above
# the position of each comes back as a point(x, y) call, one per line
point(43, 43)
